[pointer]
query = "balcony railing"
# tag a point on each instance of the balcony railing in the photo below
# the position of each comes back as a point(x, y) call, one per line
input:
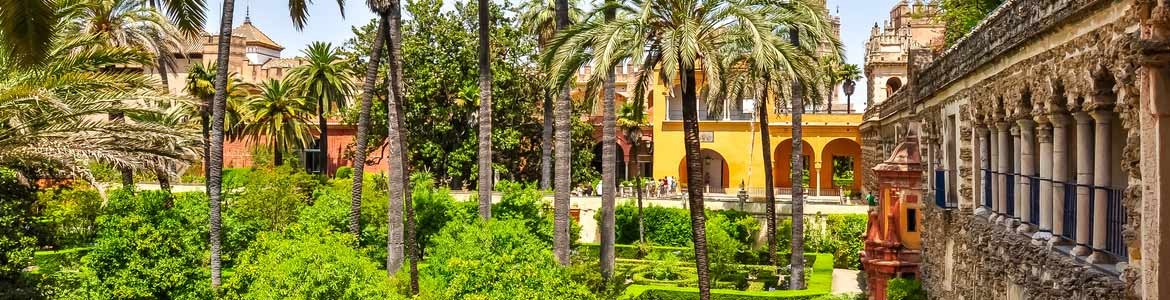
point(1070, 210)
point(1033, 199)
point(1114, 223)
point(1011, 193)
point(987, 197)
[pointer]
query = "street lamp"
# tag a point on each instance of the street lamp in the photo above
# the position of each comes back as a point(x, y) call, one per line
point(848, 87)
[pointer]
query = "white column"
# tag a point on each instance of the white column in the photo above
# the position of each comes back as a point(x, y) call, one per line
point(1005, 149)
point(1014, 161)
point(1044, 134)
point(981, 163)
point(993, 166)
point(1027, 167)
point(1102, 177)
point(1084, 180)
point(1060, 162)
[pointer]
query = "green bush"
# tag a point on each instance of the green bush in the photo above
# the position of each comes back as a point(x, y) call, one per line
point(499, 259)
point(841, 237)
point(144, 250)
point(672, 226)
point(819, 284)
point(65, 217)
point(344, 172)
point(721, 248)
point(307, 262)
point(263, 200)
point(904, 289)
point(16, 244)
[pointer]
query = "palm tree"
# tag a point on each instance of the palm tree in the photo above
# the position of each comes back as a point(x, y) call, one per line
point(831, 76)
point(200, 84)
point(608, 163)
point(174, 114)
point(363, 127)
point(485, 112)
point(630, 119)
point(538, 18)
point(562, 111)
point(325, 80)
point(682, 37)
point(850, 73)
point(278, 117)
point(401, 205)
point(299, 13)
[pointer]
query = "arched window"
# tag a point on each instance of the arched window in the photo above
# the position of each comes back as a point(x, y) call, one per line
point(893, 85)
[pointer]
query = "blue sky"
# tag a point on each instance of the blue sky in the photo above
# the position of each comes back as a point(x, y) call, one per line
point(326, 23)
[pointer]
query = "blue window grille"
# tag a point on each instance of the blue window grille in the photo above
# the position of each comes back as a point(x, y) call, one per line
point(1070, 211)
point(1034, 200)
point(987, 188)
point(1115, 223)
point(1011, 194)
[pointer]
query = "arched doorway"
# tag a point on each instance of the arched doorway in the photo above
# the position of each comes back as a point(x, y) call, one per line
point(840, 168)
point(715, 174)
point(782, 165)
point(619, 161)
point(893, 85)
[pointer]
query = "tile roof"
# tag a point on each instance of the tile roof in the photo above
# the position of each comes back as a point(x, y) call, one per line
point(252, 34)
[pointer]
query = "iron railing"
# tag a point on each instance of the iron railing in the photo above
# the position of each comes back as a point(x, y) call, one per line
point(1070, 210)
point(1034, 200)
point(1114, 223)
point(1011, 193)
point(987, 189)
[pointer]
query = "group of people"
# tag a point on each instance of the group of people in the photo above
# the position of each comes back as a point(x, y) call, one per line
point(660, 188)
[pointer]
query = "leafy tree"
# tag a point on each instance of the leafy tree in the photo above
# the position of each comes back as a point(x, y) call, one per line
point(16, 244)
point(961, 16)
point(323, 80)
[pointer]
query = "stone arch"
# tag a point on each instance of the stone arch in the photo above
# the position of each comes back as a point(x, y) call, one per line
point(782, 163)
point(715, 170)
point(844, 149)
point(893, 85)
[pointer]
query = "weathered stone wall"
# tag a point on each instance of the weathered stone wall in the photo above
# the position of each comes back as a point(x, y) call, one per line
point(988, 259)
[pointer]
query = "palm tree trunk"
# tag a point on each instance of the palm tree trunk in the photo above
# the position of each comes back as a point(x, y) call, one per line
point(127, 178)
point(394, 252)
point(164, 183)
point(546, 145)
point(485, 113)
point(363, 129)
point(695, 177)
point(829, 106)
point(395, 26)
point(563, 151)
point(214, 180)
point(634, 136)
point(277, 155)
point(608, 173)
point(205, 121)
point(323, 142)
point(797, 260)
point(769, 191)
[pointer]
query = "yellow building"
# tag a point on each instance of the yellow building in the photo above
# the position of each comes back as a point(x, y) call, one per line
point(732, 150)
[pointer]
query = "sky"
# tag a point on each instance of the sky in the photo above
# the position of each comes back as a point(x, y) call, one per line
point(326, 24)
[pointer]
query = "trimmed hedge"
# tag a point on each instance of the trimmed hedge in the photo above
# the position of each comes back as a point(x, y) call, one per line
point(631, 251)
point(820, 283)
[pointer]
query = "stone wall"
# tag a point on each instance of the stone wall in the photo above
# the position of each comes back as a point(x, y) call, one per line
point(991, 262)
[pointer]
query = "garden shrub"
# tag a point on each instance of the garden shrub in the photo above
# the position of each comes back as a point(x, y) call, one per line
point(65, 217)
point(307, 262)
point(905, 289)
point(263, 200)
point(672, 226)
point(721, 248)
point(16, 244)
point(344, 172)
point(497, 259)
point(144, 250)
point(841, 237)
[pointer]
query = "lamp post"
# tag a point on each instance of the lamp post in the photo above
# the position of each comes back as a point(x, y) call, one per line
point(848, 86)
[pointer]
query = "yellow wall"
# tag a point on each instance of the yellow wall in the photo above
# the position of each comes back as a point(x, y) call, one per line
point(740, 145)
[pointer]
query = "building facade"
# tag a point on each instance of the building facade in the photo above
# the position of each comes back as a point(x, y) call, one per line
point(1045, 149)
point(887, 52)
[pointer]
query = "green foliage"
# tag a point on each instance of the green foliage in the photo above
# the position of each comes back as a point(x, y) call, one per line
point(65, 217)
point(441, 108)
point(330, 209)
point(721, 247)
point(672, 226)
point(263, 200)
point(307, 262)
point(847, 296)
point(904, 289)
point(344, 172)
point(836, 234)
point(819, 284)
point(961, 16)
point(499, 259)
point(144, 250)
point(16, 245)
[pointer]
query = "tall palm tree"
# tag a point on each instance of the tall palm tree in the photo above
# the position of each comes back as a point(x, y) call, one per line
point(831, 77)
point(325, 80)
point(608, 163)
point(278, 116)
point(363, 128)
point(683, 37)
point(174, 114)
point(485, 112)
point(401, 206)
point(562, 175)
point(850, 73)
point(298, 12)
point(200, 84)
point(538, 18)
point(630, 119)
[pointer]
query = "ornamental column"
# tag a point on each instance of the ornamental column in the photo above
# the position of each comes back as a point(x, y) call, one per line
point(1027, 167)
point(993, 168)
point(1060, 162)
point(1044, 134)
point(1014, 160)
point(1084, 125)
point(1005, 156)
point(1102, 179)
point(982, 163)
